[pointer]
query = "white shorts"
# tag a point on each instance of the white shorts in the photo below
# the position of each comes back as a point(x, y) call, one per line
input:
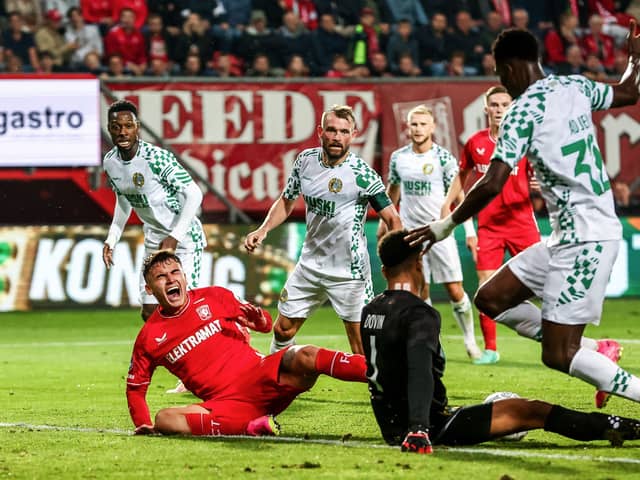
point(442, 262)
point(191, 262)
point(570, 279)
point(305, 291)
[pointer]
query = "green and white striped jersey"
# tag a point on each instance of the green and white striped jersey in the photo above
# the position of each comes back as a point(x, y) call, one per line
point(336, 200)
point(424, 180)
point(551, 124)
point(152, 182)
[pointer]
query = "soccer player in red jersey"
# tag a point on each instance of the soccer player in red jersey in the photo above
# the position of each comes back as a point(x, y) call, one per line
point(201, 337)
point(508, 222)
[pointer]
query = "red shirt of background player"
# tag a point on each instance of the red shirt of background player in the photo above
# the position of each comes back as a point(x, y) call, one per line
point(512, 207)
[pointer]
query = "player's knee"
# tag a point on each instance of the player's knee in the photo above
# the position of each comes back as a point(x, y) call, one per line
point(284, 332)
point(165, 422)
point(300, 359)
point(485, 302)
point(555, 359)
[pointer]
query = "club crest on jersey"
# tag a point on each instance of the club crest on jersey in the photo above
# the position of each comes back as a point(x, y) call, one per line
point(284, 295)
point(138, 179)
point(204, 312)
point(427, 169)
point(335, 185)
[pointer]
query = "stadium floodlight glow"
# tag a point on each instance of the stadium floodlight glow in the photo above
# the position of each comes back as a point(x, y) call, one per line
point(49, 121)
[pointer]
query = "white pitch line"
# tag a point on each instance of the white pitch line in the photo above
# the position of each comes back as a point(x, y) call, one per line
point(517, 453)
point(301, 339)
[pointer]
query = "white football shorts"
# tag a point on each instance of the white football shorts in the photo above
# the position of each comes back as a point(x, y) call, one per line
point(570, 279)
point(442, 262)
point(191, 263)
point(305, 291)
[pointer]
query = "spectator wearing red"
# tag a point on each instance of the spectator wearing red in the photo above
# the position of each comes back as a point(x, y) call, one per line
point(139, 7)
point(598, 44)
point(98, 12)
point(125, 39)
point(557, 41)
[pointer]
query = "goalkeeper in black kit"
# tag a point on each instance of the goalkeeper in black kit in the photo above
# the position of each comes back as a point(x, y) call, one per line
point(405, 365)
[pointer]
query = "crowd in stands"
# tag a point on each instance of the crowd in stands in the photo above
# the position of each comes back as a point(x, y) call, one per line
point(301, 38)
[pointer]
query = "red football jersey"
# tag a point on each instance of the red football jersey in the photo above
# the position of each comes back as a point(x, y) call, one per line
point(203, 346)
point(512, 206)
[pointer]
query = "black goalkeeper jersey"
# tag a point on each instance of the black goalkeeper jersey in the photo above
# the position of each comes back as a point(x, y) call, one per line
point(405, 362)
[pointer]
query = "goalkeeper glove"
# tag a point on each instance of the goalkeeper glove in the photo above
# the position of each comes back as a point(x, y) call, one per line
point(417, 441)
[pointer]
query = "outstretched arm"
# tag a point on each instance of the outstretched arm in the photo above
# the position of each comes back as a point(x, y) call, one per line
point(627, 91)
point(277, 214)
point(477, 198)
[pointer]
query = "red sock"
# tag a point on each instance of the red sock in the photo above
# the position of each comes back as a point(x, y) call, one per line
point(350, 367)
point(207, 424)
point(488, 327)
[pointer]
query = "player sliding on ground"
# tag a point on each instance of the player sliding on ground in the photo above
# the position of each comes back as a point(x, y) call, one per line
point(201, 337)
point(405, 364)
point(550, 122)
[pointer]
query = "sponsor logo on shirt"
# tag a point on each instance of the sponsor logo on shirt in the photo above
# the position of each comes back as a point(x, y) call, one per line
point(192, 341)
point(204, 312)
point(335, 185)
point(320, 206)
point(138, 179)
point(418, 187)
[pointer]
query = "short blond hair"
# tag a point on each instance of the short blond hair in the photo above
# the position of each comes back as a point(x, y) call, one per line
point(492, 91)
point(420, 110)
point(340, 111)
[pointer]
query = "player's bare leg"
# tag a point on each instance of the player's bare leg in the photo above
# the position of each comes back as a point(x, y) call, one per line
point(463, 314)
point(488, 327)
point(353, 334)
point(171, 421)
point(284, 332)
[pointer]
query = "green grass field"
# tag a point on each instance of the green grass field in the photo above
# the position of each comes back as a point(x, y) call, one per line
point(63, 412)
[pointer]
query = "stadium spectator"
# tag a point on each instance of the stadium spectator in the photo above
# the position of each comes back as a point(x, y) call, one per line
point(240, 388)
point(594, 69)
point(410, 10)
point(19, 43)
point(574, 63)
point(378, 66)
point(405, 365)
point(98, 12)
point(406, 67)
point(420, 175)
point(195, 38)
point(226, 65)
point(334, 263)
point(597, 43)
point(364, 42)
point(86, 37)
point(294, 38)
point(326, 42)
point(402, 41)
point(47, 65)
point(13, 64)
point(492, 27)
point(150, 181)
point(159, 42)
point(341, 68)
point(138, 7)
point(237, 13)
point(558, 40)
point(261, 67)
point(127, 41)
point(92, 64)
point(434, 45)
point(507, 223)
point(457, 66)
point(467, 39)
point(158, 68)
point(48, 38)
point(193, 67)
point(231, 18)
point(63, 6)
point(488, 67)
point(30, 11)
point(571, 299)
point(296, 68)
point(259, 38)
point(206, 9)
point(273, 10)
point(115, 67)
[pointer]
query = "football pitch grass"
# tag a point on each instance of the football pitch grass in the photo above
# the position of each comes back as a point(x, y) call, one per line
point(63, 412)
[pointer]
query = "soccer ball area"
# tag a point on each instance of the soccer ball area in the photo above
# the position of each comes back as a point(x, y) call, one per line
point(64, 412)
